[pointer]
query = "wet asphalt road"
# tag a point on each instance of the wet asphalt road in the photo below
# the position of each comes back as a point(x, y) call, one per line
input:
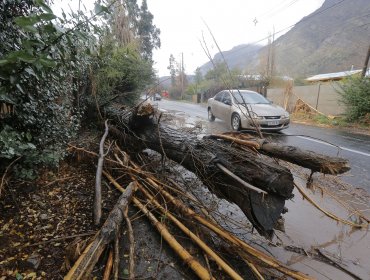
point(354, 147)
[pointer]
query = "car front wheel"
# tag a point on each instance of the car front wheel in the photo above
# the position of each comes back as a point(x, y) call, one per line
point(235, 122)
point(211, 117)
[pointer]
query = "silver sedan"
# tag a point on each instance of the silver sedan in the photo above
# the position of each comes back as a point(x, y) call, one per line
point(242, 108)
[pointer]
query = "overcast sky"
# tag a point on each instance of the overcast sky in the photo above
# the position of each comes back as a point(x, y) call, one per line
point(232, 23)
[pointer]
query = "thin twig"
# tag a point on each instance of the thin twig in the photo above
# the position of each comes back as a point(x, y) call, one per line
point(59, 180)
point(329, 214)
point(116, 257)
point(5, 173)
point(257, 127)
point(131, 238)
point(108, 266)
point(240, 180)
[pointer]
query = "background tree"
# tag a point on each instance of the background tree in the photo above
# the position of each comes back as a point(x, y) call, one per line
point(173, 69)
point(147, 32)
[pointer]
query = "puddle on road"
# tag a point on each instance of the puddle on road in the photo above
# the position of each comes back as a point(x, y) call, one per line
point(309, 228)
point(305, 226)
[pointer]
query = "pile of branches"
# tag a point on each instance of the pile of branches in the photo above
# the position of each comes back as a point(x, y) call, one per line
point(156, 198)
point(233, 166)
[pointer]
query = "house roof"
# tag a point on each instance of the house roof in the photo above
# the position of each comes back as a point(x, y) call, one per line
point(332, 76)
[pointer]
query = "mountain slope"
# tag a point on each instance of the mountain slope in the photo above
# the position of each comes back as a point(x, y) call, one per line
point(238, 57)
point(333, 38)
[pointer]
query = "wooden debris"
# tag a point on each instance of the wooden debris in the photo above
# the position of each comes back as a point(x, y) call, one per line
point(86, 262)
point(131, 238)
point(327, 213)
point(97, 197)
point(108, 266)
point(167, 236)
point(307, 159)
point(193, 237)
point(249, 251)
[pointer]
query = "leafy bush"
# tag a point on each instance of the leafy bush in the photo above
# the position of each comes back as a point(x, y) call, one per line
point(121, 75)
point(47, 64)
point(355, 94)
point(42, 65)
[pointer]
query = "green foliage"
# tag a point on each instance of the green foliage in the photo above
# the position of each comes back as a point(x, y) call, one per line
point(13, 143)
point(42, 66)
point(46, 66)
point(147, 32)
point(172, 67)
point(338, 121)
point(222, 77)
point(214, 80)
point(123, 73)
point(355, 94)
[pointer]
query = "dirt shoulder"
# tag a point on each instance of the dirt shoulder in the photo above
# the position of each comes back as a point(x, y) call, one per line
point(336, 123)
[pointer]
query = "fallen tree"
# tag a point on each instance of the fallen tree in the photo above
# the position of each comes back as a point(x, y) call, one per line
point(256, 183)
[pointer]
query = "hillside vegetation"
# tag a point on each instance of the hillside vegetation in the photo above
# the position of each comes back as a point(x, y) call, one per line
point(333, 38)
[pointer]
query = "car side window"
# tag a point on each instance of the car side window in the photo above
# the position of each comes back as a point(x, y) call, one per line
point(227, 98)
point(219, 96)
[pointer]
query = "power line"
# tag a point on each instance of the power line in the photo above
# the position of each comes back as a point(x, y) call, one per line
point(271, 10)
point(282, 8)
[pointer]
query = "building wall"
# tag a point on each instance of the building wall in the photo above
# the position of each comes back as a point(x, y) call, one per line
point(325, 101)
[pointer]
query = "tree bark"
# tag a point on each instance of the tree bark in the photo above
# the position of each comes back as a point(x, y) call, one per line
point(308, 159)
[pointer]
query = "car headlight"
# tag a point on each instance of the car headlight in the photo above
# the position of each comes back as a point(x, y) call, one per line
point(285, 116)
point(255, 116)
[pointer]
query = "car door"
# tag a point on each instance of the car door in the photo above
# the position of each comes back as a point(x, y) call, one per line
point(225, 107)
point(216, 104)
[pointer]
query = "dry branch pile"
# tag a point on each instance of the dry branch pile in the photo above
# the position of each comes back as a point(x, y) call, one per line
point(236, 167)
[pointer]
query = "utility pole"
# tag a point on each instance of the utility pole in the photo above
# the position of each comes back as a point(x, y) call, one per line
point(366, 63)
point(268, 56)
point(182, 75)
point(273, 52)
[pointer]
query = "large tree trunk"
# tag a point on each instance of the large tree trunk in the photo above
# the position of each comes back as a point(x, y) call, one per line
point(308, 159)
point(203, 157)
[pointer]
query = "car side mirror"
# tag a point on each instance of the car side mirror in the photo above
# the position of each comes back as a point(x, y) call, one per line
point(227, 102)
point(270, 101)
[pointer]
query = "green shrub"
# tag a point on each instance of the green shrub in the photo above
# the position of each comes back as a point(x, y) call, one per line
point(122, 74)
point(42, 65)
point(355, 94)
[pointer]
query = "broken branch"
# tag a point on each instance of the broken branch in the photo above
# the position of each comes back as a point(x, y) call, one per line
point(329, 214)
point(97, 197)
point(106, 234)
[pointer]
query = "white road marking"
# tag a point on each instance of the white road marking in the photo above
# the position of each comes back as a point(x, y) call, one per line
point(342, 148)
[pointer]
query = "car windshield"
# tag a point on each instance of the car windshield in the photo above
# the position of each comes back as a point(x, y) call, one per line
point(250, 98)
